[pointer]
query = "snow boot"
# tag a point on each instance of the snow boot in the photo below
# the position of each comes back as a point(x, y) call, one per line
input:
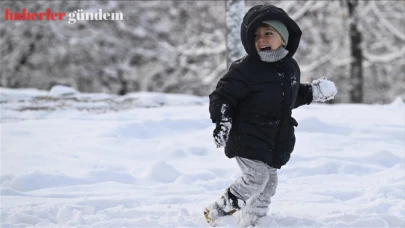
point(226, 205)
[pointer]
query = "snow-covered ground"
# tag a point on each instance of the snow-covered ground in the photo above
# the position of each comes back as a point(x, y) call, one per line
point(148, 160)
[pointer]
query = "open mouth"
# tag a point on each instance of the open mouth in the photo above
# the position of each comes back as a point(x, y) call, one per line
point(265, 48)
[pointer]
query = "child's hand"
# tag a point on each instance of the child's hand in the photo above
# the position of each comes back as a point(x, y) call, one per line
point(221, 133)
point(323, 89)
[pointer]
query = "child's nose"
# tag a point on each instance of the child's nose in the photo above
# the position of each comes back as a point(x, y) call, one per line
point(261, 37)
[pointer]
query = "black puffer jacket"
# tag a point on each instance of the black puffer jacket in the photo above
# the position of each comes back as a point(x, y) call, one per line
point(261, 95)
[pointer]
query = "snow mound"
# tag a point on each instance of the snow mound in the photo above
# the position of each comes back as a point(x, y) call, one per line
point(162, 172)
point(107, 174)
point(384, 158)
point(39, 180)
point(60, 90)
point(62, 101)
point(183, 179)
point(15, 95)
point(7, 191)
point(397, 103)
point(156, 99)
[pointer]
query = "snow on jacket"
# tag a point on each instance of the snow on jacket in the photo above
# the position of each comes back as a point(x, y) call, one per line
point(260, 96)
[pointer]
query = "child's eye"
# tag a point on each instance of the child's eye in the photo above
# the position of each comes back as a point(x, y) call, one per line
point(269, 33)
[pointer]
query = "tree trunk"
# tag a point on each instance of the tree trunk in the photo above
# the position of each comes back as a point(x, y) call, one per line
point(235, 10)
point(356, 65)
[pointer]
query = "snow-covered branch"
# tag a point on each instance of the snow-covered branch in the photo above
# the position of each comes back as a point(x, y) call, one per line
point(387, 23)
point(386, 57)
point(302, 10)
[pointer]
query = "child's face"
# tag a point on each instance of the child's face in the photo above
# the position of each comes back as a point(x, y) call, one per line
point(267, 38)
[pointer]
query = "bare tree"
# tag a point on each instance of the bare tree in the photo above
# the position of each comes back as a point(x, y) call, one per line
point(356, 65)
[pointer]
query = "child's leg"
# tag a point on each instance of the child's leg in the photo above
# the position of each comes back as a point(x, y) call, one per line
point(258, 206)
point(253, 181)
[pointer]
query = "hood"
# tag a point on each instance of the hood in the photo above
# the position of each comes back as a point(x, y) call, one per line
point(256, 15)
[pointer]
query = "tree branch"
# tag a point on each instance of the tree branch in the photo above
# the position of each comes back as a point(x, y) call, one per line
point(384, 58)
point(386, 23)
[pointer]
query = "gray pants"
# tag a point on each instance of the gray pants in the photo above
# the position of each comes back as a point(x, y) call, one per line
point(256, 186)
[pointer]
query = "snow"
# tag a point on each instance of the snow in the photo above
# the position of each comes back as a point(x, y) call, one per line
point(59, 90)
point(149, 160)
point(162, 172)
point(323, 89)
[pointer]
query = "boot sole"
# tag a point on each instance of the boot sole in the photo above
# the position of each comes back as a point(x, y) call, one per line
point(211, 221)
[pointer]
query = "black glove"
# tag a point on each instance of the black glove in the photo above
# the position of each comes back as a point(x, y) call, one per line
point(221, 132)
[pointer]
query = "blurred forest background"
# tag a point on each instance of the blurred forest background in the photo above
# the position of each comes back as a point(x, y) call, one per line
point(180, 46)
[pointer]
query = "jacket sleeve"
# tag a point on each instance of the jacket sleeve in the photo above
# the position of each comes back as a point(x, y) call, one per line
point(304, 94)
point(231, 88)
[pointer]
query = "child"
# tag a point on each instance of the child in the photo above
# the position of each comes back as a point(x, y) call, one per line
point(252, 107)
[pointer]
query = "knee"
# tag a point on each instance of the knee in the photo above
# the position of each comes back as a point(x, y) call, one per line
point(260, 177)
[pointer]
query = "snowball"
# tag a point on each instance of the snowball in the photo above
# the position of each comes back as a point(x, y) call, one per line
point(323, 89)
